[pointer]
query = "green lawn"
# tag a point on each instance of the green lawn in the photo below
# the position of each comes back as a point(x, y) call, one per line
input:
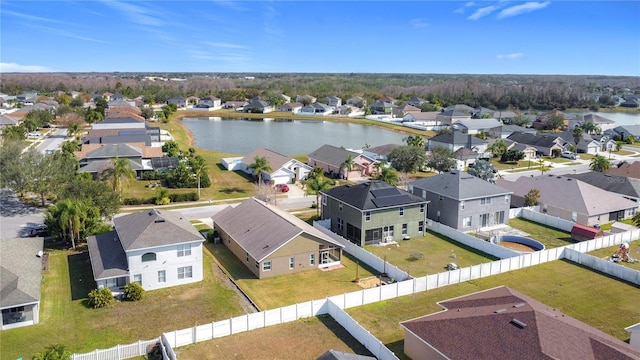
point(634, 253)
point(598, 300)
point(437, 251)
point(550, 237)
point(65, 318)
point(283, 290)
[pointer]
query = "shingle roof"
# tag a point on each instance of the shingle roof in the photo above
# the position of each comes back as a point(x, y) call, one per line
point(631, 129)
point(20, 271)
point(478, 124)
point(571, 194)
point(459, 185)
point(457, 138)
point(373, 195)
point(276, 160)
point(516, 128)
point(7, 120)
point(332, 155)
point(108, 258)
point(114, 150)
point(153, 228)
point(383, 150)
point(98, 166)
point(629, 169)
point(503, 323)
point(261, 229)
point(618, 184)
point(534, 139)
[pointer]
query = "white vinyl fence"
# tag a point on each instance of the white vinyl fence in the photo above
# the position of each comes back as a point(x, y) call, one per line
point(471, 241)
point(118, 352)
point(544, 219)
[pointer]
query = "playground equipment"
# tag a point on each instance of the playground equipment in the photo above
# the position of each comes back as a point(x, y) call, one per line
point(622, 254)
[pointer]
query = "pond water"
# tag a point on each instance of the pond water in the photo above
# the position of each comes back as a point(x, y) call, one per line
point(618, 117)
point(289, 137)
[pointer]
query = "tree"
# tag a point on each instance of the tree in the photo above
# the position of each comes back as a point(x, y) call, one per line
point(542, 166)
point(69, 217)
point(498, 148)
point(147, 113)
point(199, 166)
point(260, 164)
point(554, 122)
point(512, 156)
point(53, 352)
point(636, 219)
point(521, 120)
point(93, 116)
point(314, 185)
point(414, 140)
point(171, 149)
point(70, 146)
point(14, 174)
point(388, 175)
point(49, 172)
point(599, 163)
point(441, 159)
point(589, 127)
point(531, 198)
point(73, 130)
point(347, 166)
point(407, 158)
point(484, 170)
point(14, 133)
point(120, 170)
point(95, 193)
point(577, 134)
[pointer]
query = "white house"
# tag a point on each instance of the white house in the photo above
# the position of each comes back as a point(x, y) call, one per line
point(284, 170)
point(154, 248)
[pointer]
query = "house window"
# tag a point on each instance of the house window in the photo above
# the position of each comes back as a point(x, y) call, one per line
point(401, 211)
point(324, 199)
point(149, 257)
point(466, 222)
point(185, 272)
point(340, 224)
point(498, 217)
point(461, 204)
point(266, 266)
point(485, 201)
point(405, 228)
point(246, 256)
point(421, 208)
point(292, 262)
point(312, 259)
point(162, 276)
point(421, 226)
point(137, 278)
point(184, 250)
point(340, 206)
point(367, 216)
point(387, 231)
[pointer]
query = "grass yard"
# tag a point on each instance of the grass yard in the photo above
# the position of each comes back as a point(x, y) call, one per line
point(302, 339)
point(437, 251)
point(634, 252)
point(550, 237)
point(66, 319)
point(598, 300)
point(278, 291)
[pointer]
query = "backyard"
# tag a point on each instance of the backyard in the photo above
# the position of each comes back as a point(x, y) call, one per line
point(634, 253)
point(550, 237)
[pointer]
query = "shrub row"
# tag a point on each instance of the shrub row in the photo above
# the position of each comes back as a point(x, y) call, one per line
point(175, 197)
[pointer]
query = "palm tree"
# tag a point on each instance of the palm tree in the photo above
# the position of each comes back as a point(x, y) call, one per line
point(314, 185)
point(260, 164)
point(121, 169)
point(73, 130)
point(543, 167)
point(388, 175)
point(589, 127)
point(70, 217)
point(577, 134)
point(199, 166)
point(348, 165)
point(53, 352)
point(599, 163)
point(414, 140)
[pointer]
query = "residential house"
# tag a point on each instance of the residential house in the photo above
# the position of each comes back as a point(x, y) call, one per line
point(504, 116)
point(316, 108)
point(423, 120)
point(284, 170)
point(270, 241)
point(21, 265)
point(601, 121)
point(332, 101)
point(211, 102)
point(349, 110)
point(293, 108)
point(119, 123)
point(586, 144)
point(450, 117)
point(571, 199)
point(483, 112)
point(491, 127)
point(463, 201)
point(7, 121)
point(356, 101)
point(305, 99)
point(285, 98)
point(626, 186)
point(548, 145)
point(628, 131)
point(332, 160)
point(502, 323)
point(374, 212)
point(530, 152)
point(117, 97)
point(456, 140)
point(465, 158)
point(628, 169)
point(96, 159)
point(258, 106)
point(179, 101)
point(379, 153)
point(607, 143)
point(235, 105)
point(388, 99)
point(382, 108)
point(155, 248)
point(416, 101)
point(507, 130)
point(631, 101)
point(402, 110)
point(461, 108)
point(541, 120)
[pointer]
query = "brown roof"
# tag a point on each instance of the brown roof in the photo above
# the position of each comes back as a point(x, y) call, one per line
point(276, 160)
point(586, 231)
point(627, 169)
point(503, 323)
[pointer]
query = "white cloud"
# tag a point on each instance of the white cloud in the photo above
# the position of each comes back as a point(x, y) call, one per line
point(523, 8)
point(418, 23)
point(510, 56)
point(13, 67)
point(482, 12)
point(137, 14)
point(30, 17)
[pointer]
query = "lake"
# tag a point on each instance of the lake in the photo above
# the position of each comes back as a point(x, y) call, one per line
point(289, 137)
point(618, 117)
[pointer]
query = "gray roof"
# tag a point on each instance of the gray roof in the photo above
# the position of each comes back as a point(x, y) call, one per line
point(631, 129)
point(383, 150)
point(261, 229)
point(276, 160)
point(21, 271)
point(594, 118)
point(121, 120)
point(459, 185)
point(454, 113)
point(457, 138)
point(508, 129)
point(461, 107)
point(114, 150)
point(332, 155)
point(535, 140)
point(8, 120)
point(618, 184)
point(98, 166)
point(479, 124)
point(108, 258)
point(373, 195)
point(121, 139)
point(152, 228)
point(571, 194)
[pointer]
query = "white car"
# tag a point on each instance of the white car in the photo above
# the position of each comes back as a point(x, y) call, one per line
point(569, 155)
point(34, 134)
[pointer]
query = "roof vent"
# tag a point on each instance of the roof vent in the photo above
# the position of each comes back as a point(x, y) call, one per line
point(518, 323)
point(500, 311)
point(518, 305)
point(568, 179)
point(158, 220)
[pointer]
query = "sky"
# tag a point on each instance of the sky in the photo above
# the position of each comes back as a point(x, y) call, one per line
point(443, 37)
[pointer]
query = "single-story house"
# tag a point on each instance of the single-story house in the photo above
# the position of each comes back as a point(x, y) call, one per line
point(155, 248)
point(332, 158)
point(502, 323)
point(626, 186)
point(450, 117)
point(544, 144)
point(581, 232)
point(289, 107)
point(7, 121)
point(356, 101)
point(179, 101)
point(402, 110)
point(507, 130)
point(332, 101)
point(211, 102)
point(316, 108)
point(305, 99)
point(235, 105)
point(628, 131)
point(270, 241)
point(490, 126)
point(626, 168)
point(21, 264)
point(258, 106)
point(284, 170)
point(380, 153)
point(456, 140)
point(416, 101)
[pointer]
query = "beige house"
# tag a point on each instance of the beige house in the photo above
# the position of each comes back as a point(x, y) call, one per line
point(270, 241)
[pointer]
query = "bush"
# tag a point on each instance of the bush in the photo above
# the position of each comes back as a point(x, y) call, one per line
point(212, 235)
point(139, 201)
point(154, 175)
point(178, 197)
point(133, 291)
point(99, 298)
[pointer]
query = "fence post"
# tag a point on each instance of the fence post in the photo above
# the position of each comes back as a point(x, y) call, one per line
point(213, 329)
point(95, 352)
point(118, 351)
point(193, 335)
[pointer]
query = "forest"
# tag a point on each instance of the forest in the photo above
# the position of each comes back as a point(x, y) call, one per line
point(522, 92)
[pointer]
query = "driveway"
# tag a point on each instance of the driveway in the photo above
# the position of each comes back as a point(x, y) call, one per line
point(17, 218)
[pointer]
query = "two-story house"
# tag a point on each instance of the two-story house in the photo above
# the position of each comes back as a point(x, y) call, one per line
point(374, 212)
point(463, 201)
point(154, 248)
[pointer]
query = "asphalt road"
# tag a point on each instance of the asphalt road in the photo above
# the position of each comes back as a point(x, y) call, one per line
point(53, 141)
point(17, 218)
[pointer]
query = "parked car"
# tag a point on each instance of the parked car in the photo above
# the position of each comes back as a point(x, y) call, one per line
point(34, 134)
point(569, 155)
point(282, 187)
point(39, 230)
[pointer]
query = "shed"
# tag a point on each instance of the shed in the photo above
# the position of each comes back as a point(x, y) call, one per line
point(581, 232)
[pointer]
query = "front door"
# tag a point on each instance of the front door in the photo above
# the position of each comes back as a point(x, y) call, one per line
point(484, 220)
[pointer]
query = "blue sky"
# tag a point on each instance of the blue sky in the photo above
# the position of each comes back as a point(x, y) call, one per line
point(449, 37)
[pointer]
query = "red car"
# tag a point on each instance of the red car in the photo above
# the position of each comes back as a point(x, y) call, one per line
point(282, 187)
